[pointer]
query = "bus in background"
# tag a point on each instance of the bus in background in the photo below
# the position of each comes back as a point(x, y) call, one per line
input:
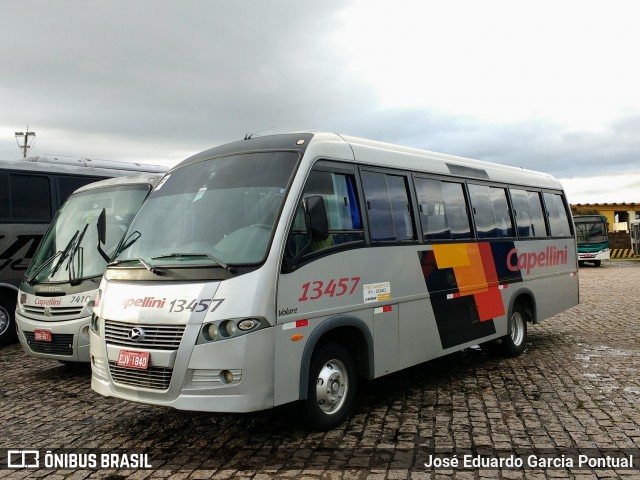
point(283, 268)
point(592, 237)
point(634, 231)
point(56, 297)
point(31, 191)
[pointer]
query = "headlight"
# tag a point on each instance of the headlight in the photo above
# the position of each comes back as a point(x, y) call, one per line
point(210, 331)
point(247, 324)
point(221, 330)
point(228, 328)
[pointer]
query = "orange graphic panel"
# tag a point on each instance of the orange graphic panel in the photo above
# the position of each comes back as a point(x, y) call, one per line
point(470, 278)
point(451, 255)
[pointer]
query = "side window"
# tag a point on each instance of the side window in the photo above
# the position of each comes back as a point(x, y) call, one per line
point(388, 207)
point(30, 197)
point(558, 218)
point(68, 185)
point(443, 212)
point(528, 213)
point(5, 211)
point(491, 211)
point(457, 211)
point(341, 202)
point(501, 212)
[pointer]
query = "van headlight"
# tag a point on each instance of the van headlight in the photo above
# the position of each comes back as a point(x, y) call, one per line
point(231, 328)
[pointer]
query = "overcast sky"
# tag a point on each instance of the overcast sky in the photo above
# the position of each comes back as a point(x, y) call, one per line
point(546, 85)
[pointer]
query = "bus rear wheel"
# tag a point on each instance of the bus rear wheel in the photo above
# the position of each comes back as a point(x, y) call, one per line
point(514, 342)
point(7, 320)
point(332, 387)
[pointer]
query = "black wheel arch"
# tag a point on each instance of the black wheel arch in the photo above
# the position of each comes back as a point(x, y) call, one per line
point(347, 330)
point(525, 297)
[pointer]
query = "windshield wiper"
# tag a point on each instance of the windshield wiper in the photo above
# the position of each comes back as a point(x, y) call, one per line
point(63, 254)
point(72, 256)
point(207, 255)
point(33, 276)
point(144, 263)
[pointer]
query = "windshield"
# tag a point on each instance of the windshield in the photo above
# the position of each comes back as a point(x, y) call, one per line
point(220, 210)
point(69, 249)
point(591, 232)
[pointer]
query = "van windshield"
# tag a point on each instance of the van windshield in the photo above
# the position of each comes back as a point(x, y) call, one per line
point(68, 250)
point(219, 210)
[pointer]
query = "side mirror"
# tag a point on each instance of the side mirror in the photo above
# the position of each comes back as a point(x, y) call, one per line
point(102, 234)
point(102, 227)
point(317, 217)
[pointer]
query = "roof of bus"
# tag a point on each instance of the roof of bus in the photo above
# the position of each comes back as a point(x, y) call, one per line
point(389, 155)
point(137, 178)
point(384, 155)
point(102, 168)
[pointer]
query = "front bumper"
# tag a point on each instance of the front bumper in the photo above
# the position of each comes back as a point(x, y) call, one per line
point(70, 338)
point(194, 374)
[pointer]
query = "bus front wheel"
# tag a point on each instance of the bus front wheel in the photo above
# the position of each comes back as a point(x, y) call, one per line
point(332, 387)
point(514, 342)
point(7, 319)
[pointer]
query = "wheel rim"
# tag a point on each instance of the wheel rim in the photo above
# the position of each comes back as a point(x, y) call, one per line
point(332, 385)
point(517, 328)
point(4, 320)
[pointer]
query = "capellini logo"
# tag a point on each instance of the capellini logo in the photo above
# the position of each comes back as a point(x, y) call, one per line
point(550, 257)
point(146, 302)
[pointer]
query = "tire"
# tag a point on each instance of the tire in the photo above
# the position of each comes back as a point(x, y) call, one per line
point(8, 333)
point(597, 262)
point(515, 341)
point(332, 387)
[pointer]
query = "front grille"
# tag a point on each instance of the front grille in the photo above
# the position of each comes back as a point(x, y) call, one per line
point(52, 311)
point(61, 344)
point(158, 337)
point(157, 378)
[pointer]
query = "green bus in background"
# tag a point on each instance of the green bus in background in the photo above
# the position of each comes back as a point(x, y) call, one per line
point(593, 238)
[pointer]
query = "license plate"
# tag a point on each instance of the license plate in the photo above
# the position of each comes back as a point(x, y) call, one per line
point(131, 359)
point(42, 336)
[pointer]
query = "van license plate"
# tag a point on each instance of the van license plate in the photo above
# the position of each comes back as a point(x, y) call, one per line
point(42, 336)
point(131, 359)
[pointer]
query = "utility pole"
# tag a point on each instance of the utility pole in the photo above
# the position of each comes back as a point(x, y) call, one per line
point(25, 136)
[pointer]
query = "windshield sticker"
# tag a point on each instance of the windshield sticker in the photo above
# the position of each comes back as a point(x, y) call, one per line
point(376, 292)
point(162, 182)
point(200, 194)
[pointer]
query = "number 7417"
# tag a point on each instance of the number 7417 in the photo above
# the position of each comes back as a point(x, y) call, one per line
point(334, 288)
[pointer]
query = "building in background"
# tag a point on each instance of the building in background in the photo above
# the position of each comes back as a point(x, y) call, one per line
point(619, 215)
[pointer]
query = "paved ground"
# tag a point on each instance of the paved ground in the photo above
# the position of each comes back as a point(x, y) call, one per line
point(577, 387)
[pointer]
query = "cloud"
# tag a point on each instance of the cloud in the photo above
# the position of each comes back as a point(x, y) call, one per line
point(158, 81)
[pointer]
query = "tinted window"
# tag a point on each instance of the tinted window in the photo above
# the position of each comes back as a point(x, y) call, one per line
point(5, 210)
point(501, 212)
point(456, 208)
point(343, 212)
point(443, 212)
point(388, 206)
point(490, 211)
point(30, 197)
point(528, 213)
point(558, 218)
point(68, 185)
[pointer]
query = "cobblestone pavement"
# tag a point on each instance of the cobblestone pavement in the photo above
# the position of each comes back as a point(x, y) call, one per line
point(576, 387)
